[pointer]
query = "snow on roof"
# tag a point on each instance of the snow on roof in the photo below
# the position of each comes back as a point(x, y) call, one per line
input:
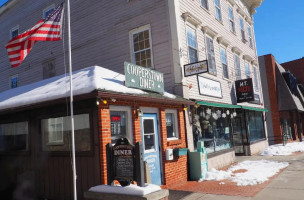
point(84, 81)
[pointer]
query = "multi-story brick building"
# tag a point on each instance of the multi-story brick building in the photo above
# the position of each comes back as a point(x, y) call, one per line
point(163, 36)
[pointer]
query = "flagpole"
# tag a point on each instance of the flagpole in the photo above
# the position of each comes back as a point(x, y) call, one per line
point(71, 101)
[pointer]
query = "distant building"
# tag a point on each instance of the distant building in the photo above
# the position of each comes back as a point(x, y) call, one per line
point(284, 100)
point(296, 67)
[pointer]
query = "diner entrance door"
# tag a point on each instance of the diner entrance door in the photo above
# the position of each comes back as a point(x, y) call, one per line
point(149, 134)
point(237, 136)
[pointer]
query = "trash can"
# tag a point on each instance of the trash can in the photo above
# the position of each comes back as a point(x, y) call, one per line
point(198, 162)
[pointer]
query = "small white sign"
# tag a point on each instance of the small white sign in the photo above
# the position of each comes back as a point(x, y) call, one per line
point(196, 68)
point(209, 87)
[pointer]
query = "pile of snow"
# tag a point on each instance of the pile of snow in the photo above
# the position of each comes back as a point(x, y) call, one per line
point(280, 150)
point(256, 172)
point(131, 189)
point(84, 81)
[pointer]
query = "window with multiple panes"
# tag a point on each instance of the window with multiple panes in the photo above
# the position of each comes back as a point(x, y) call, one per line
point(14, 32)
point(14, 81)
point(14, 136)
point(172, 124)
point(192, 44)
point(237, 66)
point(141, 46)
point(224, 63)
point(250, 37)
point(247, 70)
point(231, 19)
point(56, 133)
point(120, 117)
point(48, 11)
point(256, 84)
point(204, 3)
point(210, 55)
point(218, 14)
point(242, 29)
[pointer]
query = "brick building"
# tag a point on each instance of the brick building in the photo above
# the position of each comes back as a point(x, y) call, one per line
point(284, 100)
point(296, 67)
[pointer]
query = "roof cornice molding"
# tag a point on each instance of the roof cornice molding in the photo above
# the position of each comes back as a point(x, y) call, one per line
point(7, 5)
point(236, 50)
point(209, 31)
point(191, 19)
point(222, 40)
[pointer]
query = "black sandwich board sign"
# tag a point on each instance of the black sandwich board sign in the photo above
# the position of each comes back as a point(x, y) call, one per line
point(125, 163)
point(244, 90)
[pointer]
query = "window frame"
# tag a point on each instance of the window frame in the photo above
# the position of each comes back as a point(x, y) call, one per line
point(11, 79)
point(211, 69)
point(219, 9)
point(238, 72)
point(249, 34)
point(231, 20)
point(135, 31)
point(207, 4)
point(222, 49)
point(255, 76)
point(242, 29)
point(129, 125)
point(175, 115)
point(190, 47)
point(47, 9)
point(247, 75)
point(14, 29)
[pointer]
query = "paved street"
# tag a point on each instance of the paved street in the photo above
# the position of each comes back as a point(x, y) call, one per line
point(288, 185)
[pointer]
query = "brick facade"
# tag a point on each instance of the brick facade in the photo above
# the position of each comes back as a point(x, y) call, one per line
point(174, 171)
point(296, 67)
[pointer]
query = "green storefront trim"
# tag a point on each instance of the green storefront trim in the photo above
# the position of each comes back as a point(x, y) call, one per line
point(255, 109)
point(217, 104)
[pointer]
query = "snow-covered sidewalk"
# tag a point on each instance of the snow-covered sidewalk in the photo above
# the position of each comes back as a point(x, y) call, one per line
point(280, 150)
point(248, 172)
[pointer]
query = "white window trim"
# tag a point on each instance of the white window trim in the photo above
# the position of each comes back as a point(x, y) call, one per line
point(235, 68)
point(231, 20)
point(207, 2)
point(194, 29)
point(256, 79)
point(220, 9)
point(249, 36)
point(225, 49)
point(246, 62)
point(59, 141)
point(10, 80)
point(47, 9)
point(128, 121)
point(13, 29)
point(210, 37)
point(174, 112)
point(242, 29)
point(137, 30)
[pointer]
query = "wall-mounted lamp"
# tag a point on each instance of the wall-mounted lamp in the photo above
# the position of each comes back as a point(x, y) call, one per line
point(98, 100)
point(139, 112)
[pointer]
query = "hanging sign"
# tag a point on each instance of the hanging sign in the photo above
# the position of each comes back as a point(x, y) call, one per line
point(143, 78)
point(209, 87)
point(244, 90)
point(196, 68)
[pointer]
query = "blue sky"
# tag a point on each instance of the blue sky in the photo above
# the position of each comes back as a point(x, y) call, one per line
point(279, 29)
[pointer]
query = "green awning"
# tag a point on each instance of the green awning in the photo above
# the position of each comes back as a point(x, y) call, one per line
point(217, 104)
point(255, 109)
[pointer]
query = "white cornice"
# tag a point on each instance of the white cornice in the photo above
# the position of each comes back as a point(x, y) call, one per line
point(236, 50)
point(209, 31)
point(223, 41)
point(247, 57)
point(232, 2)
point(191, 19)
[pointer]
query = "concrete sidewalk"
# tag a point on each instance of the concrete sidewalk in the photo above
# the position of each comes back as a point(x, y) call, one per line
point(288, 185)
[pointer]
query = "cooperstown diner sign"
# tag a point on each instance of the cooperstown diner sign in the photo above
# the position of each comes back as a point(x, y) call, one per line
point(143, 78)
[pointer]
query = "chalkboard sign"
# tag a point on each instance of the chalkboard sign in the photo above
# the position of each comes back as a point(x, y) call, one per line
point(244, 90)
point(125, 163)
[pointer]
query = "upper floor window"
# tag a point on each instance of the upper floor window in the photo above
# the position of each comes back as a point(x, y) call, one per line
point(231, 19)
point(141, 46)
point(14, 32)
point(242, 29)
point(218, 13)
point(14, 136)
point(256, 85)
point(56, 133)
point(192, 45)
point(14, 81)
point(210, 55)
point(247, 70)
point(224, 63)
point(249, 36)
point(237, 66)
point(172, 124)
point(48, 11)
point(204, 3)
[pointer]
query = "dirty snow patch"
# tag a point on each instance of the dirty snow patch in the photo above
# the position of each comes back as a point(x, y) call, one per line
point(281, 150)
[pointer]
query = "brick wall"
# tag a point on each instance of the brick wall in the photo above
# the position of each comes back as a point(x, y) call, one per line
point(296, 67)
point(173, 171)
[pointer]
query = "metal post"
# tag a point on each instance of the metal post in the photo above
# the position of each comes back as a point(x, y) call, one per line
point(71, 101)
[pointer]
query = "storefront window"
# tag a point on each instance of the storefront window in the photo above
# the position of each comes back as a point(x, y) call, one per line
point(14, 136)
point(56, 133)
point(255, 125)
point(171, 124)
point(120, 123)
point(212, 126)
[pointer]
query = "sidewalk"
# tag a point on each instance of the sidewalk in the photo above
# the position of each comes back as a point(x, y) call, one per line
point(287, 185)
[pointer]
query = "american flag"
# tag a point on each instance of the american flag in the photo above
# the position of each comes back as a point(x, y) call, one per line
point(48, 29)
